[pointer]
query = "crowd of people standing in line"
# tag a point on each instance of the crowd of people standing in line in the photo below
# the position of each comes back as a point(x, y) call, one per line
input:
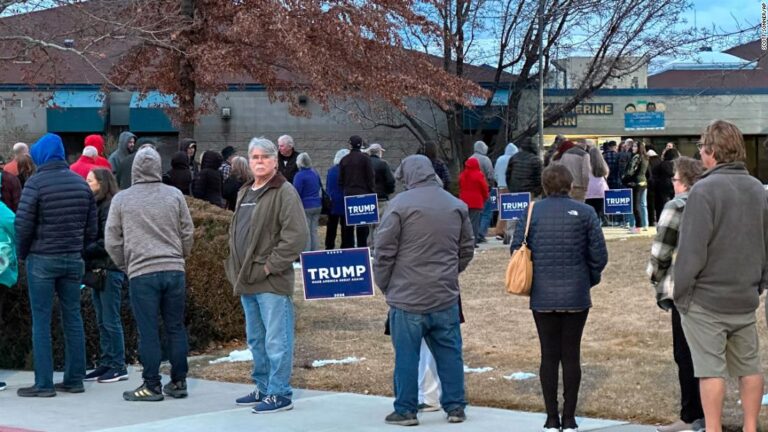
point(75, 225)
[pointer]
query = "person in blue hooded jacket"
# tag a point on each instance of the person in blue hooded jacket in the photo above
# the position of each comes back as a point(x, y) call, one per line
point(55, 221)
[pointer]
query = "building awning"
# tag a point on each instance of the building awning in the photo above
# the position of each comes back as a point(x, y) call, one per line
point(147, 114)
point(482, 118)
point(75, 111)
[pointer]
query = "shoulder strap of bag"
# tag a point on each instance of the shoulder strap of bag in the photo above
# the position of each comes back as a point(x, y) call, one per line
point(528, 224)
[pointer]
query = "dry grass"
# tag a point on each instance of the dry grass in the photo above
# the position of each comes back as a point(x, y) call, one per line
point(628, 370)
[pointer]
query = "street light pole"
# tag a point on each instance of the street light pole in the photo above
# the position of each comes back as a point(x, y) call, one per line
point(541, 75)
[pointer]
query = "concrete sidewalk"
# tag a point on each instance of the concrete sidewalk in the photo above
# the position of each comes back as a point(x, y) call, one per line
point(210, 407)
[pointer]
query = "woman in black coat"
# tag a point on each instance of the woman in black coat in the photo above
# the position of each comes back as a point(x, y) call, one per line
point(179, 174)
point(207, 185)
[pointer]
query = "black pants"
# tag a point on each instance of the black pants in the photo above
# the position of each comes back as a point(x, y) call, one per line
point(349, 232)
point(690, 398)
point(560, 339)
point(597, 204)
point(331, 228)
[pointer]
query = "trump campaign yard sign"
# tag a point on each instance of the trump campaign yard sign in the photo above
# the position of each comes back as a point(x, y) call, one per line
point(618, 201)
point(514, 205)
point(361, 209)
point(337, 273)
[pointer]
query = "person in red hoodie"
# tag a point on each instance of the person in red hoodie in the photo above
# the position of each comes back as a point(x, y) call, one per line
point(86, 162)
point(473, 190)
point(98, 142)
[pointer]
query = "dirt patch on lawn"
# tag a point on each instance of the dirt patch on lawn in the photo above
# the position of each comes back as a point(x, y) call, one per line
point(628, 368)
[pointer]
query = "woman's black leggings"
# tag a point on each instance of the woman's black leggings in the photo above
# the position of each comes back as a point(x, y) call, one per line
point(560, 338)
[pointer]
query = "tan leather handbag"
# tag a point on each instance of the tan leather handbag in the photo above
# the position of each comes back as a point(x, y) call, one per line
point(520, 268)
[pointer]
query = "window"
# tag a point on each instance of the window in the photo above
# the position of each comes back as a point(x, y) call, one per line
point(12, 103)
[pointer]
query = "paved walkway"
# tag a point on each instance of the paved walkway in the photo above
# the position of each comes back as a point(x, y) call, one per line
point(210, 407)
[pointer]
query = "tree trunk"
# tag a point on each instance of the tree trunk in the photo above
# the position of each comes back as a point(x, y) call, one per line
point(187, 95)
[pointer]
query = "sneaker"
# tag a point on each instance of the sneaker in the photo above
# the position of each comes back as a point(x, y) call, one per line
point(679, 426)
point(65, 388)
point(2, 386)
point(144, 393)
point(96, 373)
point(571, 430)
point(272, 404)
point(546, 429)
point(176, 389)
point(114, 375)
point(250, 399)
point(428, 408)
point(408, 419)
point(699, 425)
point(35, 392)
point(456, 415)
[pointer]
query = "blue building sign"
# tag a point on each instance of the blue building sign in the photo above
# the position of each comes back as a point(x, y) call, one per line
point(644, 120)
point(337, 273)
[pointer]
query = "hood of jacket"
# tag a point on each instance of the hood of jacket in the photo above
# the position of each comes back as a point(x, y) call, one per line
point(510, 150)
point(48, 148)
point(472, 164)
point(96, 141)
point(211, 160)
point(417, 171)
point(481, 148)
point(180, 160)
point(185, 143)
point(122, 143)
point(147, 167)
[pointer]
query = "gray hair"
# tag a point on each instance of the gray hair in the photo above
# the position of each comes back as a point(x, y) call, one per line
point(263, 144)
point(480, 147)
point(303, 161)
point(20, 148)
point(287, 139)
point(374, 150)
point(90, 151)
point(340, 155)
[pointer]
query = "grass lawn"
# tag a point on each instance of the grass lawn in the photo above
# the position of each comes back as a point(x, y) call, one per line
point(628, 369)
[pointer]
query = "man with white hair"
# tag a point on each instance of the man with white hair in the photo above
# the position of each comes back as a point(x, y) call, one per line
point(286, 158)
point(86, 162)
point(13, 166)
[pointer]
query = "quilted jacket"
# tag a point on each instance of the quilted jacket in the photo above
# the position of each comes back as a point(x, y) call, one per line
point(57, 212)
point(568, 252)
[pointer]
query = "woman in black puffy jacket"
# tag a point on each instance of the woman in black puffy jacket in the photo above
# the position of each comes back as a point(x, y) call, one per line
point(179, 175)
point(569, 254)
point(208, 183)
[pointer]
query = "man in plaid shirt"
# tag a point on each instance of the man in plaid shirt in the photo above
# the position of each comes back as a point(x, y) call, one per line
point(687, 171)
point(226, 167)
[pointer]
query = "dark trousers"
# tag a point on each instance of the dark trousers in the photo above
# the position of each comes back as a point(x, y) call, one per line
point(153, 295)
point(560, 339)
point(597, 204)
point(475, 215)
point(331, 229)
point(349, 232)
point(690, 398)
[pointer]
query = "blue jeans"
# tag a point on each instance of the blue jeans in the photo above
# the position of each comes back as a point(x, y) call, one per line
point(485, 219)
point(60, 274)
point(160, 293)
point(640, 216)
point(106, 304)
point(442, 334)
point(269, 329)
point(313, 220)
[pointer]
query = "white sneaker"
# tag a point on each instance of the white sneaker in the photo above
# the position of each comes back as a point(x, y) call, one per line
point(550, 430)
point(571, 430)
point(297, 266)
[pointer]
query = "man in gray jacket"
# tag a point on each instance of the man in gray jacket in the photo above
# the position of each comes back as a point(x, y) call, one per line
point(424, 241)
point(148, 234)
point(576, 159)
point(720, 272)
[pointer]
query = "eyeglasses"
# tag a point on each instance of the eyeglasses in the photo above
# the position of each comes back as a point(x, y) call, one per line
point(676, 180)
point(699, 145)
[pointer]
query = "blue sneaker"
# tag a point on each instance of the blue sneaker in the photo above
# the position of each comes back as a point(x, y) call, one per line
point(273, 404)
point(250, 399)
point(113, 375)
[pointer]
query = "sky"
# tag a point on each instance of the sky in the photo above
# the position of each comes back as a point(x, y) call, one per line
point(725, 15)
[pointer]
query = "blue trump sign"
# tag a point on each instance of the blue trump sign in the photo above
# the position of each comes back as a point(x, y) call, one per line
point(644, 120)
point(495, 198)
point(337, 273)
point(618, 201)
point(361, 209)
point(514, 205)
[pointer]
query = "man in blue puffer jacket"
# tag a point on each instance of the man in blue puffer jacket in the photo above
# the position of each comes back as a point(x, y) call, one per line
point(56, 219)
